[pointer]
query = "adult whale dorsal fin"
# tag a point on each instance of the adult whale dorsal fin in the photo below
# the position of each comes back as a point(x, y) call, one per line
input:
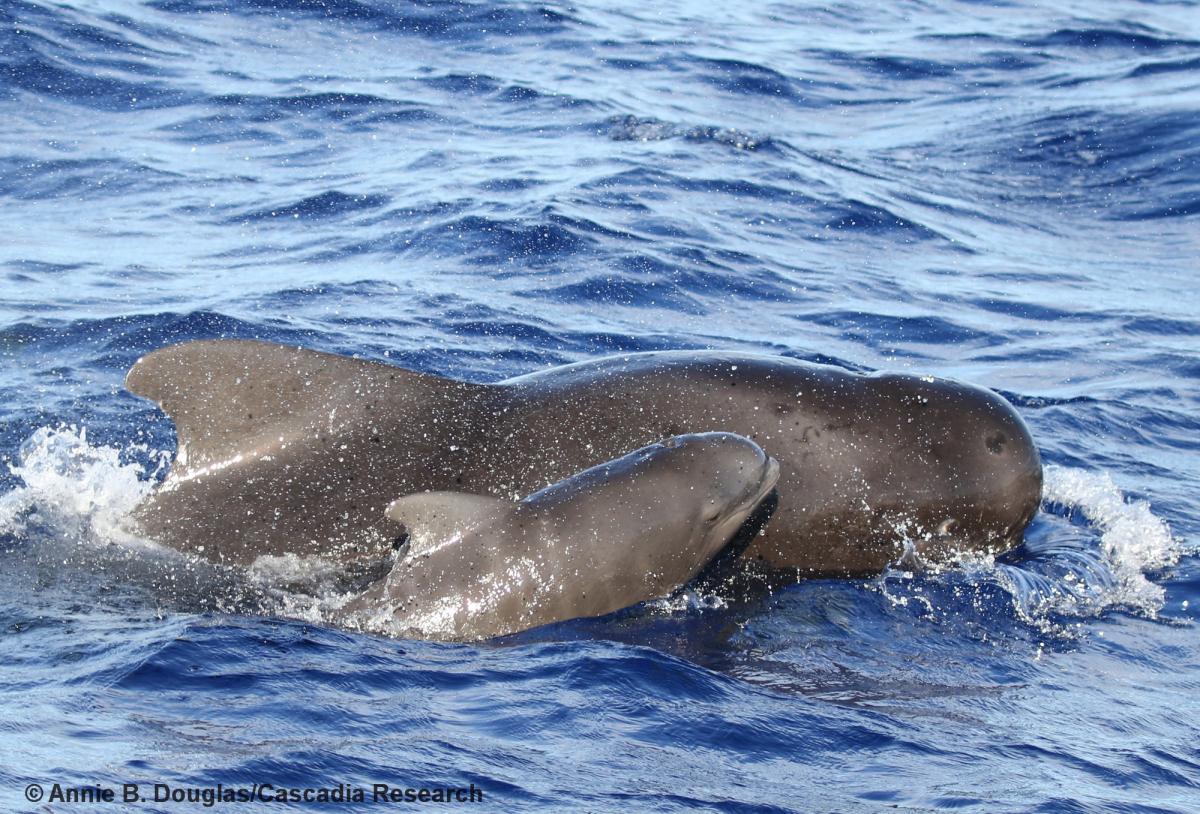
point(435, 517)
point(231, 397)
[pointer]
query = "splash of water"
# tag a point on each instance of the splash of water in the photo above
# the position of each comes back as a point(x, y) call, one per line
point(1133, 543)
point(1072, 577)
point(1132, 536)
point(82, 490)
point(72, 511)
point(71, 515)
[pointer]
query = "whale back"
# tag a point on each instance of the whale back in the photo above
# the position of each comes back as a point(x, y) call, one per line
point(290, 451)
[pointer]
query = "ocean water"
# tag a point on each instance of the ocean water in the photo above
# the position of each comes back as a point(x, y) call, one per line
point(1005, 193)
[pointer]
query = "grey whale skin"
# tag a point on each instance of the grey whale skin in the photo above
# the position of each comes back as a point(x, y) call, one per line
point(285, 450)
point(622, 532)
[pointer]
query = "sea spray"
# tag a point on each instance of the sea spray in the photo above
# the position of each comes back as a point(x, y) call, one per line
point(81, 489)
point(1078, 575)
point(1133, 540)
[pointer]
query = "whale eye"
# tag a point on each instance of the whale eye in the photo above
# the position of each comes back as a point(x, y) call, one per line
point(712, 511)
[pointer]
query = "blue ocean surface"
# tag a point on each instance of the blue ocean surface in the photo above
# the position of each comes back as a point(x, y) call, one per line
point(1005, 193)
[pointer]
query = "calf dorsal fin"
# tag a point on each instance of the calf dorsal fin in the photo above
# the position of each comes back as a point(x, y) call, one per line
point(432, 518)
point(232, 397)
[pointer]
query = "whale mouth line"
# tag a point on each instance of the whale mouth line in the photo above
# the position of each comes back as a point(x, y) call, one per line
point(768, 477)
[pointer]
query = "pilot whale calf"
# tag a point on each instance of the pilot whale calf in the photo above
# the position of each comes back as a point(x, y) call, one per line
point(285, 450)
point(623, 532)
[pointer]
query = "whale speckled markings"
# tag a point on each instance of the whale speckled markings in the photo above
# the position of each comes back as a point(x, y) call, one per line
point(622, 532)
point(285, 450)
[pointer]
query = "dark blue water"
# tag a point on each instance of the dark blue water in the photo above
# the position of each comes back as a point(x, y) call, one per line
point(1002, 193)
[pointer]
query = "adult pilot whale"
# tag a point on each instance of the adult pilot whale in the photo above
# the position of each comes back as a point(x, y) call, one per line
point(617, 534)
point(286, 450)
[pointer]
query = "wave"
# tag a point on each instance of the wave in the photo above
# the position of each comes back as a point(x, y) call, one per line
point(434, 19)
point(629, 127)
point(32, 179)
point(114, 343)
point(333, 203)
point(886, 330)
point(508, 246)
point(1078, 157)
point(1133, 540)
point(77, 58)
point(1186, 66)
point(740, 77)
point(1131, 38)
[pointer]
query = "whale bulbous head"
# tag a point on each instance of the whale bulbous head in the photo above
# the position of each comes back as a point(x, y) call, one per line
point(652, 519)
point(714, 481)
point(976, 457)
point(1016, 469)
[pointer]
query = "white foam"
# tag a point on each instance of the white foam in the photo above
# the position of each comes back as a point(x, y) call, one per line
point(1133, 540)
point(77, 488)
point(1074, 580)
point(73, 506)
point(689, 600)
point(1132, 534)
